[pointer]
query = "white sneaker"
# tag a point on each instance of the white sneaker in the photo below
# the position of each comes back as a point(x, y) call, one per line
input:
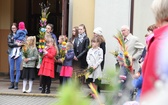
point(24, 91)
point(28, 91)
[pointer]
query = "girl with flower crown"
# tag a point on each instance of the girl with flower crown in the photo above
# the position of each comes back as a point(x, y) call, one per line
point(30, 55)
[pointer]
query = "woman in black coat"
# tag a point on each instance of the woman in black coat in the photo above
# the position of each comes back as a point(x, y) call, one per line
point(81, 44)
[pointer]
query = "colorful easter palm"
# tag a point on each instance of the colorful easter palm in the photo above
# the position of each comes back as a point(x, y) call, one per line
point(42, 30)
point(123, 47)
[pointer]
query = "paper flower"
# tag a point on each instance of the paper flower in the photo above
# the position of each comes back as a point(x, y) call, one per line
point(43, 29)
point(25, 51)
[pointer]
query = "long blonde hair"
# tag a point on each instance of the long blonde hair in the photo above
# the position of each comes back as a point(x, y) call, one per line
point(50, 39)
point(47, 35)
point(31, 41)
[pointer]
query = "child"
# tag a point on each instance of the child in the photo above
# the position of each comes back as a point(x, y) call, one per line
point(47, 35)
point(47, 65)
point(137, 83)
point(94, 59)
point(30, 55)
point(19, 38)
point(122, 72)
point(124, 93)
point(59, 62)
point(67, 69)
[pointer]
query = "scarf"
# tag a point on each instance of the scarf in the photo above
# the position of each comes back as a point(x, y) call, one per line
point(81, 36)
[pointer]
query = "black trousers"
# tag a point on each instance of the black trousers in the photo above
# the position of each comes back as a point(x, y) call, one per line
point(46, 82)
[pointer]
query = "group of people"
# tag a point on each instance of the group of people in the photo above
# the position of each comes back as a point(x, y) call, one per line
point(78, 56)
point(22, 48)
point(150, 79)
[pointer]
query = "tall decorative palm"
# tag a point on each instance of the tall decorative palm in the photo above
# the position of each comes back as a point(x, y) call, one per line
point(42, 30)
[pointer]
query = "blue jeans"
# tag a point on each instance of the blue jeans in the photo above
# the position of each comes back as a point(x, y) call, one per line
point(12, 63)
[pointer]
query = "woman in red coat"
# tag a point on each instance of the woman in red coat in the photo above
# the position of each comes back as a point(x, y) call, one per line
point(155, 67)
point(47, 66)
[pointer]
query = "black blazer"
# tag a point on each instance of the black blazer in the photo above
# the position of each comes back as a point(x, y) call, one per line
point(81, 50)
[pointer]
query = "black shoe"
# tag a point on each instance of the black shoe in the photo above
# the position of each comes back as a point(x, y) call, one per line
point(48, 91)
point(11, 86)
point(43, 88)
point(43, 91)
point(16, 86)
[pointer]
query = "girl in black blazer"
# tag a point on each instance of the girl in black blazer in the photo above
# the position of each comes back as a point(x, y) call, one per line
point(81, 44)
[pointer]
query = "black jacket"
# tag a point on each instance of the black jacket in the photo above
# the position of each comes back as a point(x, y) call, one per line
point(11, 43)
point(81, 51)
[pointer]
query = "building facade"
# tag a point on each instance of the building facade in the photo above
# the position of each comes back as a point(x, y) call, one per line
point(108, 14)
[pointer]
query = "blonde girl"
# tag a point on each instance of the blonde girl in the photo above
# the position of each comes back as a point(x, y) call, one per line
point(59, 62)
point(67, 69)
point(47, 65)
point(30, 55)
point(46, 37)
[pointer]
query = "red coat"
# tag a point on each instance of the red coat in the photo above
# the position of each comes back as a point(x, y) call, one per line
point(47, 65)
point(155, 66)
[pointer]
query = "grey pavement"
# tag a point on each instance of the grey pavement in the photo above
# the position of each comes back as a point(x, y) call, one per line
point(17, 97)
point(26, 100)
point(5, 83)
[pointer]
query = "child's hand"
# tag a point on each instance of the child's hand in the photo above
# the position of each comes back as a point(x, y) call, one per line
point(59, 60)
point(66, 51)
point(25, 60)
point(94, 68)
point(45, 51)
point(75, 58)
point(20, 44)
point(136, 75)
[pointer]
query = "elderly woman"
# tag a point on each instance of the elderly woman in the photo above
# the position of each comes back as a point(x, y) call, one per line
point(155, 67)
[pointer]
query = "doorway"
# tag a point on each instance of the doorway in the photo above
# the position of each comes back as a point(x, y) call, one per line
point(29, 11)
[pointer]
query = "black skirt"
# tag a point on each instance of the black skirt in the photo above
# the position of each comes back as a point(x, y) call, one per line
point(28, 73)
